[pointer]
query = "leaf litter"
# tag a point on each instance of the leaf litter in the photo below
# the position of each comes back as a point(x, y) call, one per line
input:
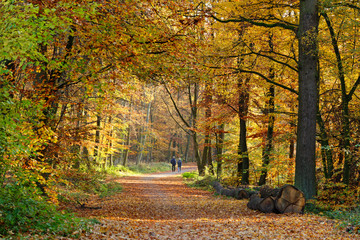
point(165, 208)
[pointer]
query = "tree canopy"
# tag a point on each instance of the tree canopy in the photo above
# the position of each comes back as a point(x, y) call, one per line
point(256, 92)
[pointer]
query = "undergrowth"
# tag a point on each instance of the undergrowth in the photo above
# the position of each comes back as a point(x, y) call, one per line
point(347, 218)
point(192, 179)
point(80, 185)
point(340, 202)
point(23, 211)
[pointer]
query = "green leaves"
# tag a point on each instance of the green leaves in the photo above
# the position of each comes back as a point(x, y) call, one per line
point(22, 208)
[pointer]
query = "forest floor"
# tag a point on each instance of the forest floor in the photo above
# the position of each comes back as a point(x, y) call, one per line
point(161, 206)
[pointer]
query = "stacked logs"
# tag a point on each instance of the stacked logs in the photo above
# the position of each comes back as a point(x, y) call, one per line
point(287, 199)
point(238, 193)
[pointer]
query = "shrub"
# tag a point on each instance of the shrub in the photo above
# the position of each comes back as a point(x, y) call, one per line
point(196, 181)
point(189, 175)
point(23, 210)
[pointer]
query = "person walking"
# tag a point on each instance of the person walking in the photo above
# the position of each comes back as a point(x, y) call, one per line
point(173, 163)
point(179, 164)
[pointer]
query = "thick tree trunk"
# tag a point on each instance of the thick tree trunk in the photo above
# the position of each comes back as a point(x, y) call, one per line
point(308, 74)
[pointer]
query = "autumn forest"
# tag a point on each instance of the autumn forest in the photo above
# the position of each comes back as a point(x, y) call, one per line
point(253, 92)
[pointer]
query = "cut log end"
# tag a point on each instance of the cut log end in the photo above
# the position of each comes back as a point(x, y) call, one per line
point(287, 199)
point(290, 199)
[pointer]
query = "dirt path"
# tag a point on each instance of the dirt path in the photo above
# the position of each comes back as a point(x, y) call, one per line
point(160, 206)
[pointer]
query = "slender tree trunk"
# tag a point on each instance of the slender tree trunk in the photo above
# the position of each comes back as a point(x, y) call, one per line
point(219, 148)
point(305, 178)
point(144, 135)
point(244, 162)
point(269, 136)
point(97, 139)
point(326, 150)
point(127, 143)
point(174, 140)
point(194, 111)
point(207, 145)
point(186, 154)
point(345, 99)
point(169, 156)
point(244, 153)
point(110, 154)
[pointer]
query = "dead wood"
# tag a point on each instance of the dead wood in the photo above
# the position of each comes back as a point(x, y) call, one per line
point(290, 200)
point(287, 199)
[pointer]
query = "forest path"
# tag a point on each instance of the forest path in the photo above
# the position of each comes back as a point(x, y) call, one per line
point(160, 206)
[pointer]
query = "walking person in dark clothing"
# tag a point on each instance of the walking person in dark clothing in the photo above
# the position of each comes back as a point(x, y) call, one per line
point(179, 165)
point(173, 163)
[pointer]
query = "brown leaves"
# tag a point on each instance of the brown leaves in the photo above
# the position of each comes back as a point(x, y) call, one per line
point(164, 208)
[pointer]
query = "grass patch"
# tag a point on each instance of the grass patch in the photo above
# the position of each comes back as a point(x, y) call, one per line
point(134, 169)
point(189, 175)
point(192, 179)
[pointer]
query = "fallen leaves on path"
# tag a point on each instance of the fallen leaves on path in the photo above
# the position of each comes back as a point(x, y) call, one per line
point(164, 208)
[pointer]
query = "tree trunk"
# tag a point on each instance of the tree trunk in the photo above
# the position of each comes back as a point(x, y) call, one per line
point(243, 165)
point(186, 154)
point(326, 151)
point(110, 144)
point(144, 135)
point(194, 112)
point(308, 74)
point(97, 139)
point(269, 111)
point(345, 99)
point(207, 146)
point(219, 149)
point(269, 136)
point(169, 156)
point(127, 143)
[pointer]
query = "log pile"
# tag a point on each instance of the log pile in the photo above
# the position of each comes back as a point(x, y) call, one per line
point(287, 199)
point(238, 193)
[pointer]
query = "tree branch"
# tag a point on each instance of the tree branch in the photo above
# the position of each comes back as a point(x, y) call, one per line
point(352, 91)
point(269, 81)
point(288, 26)
point(175, 105)
point(177, 123)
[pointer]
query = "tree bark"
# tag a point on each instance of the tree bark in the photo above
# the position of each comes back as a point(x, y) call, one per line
point(305, 178)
